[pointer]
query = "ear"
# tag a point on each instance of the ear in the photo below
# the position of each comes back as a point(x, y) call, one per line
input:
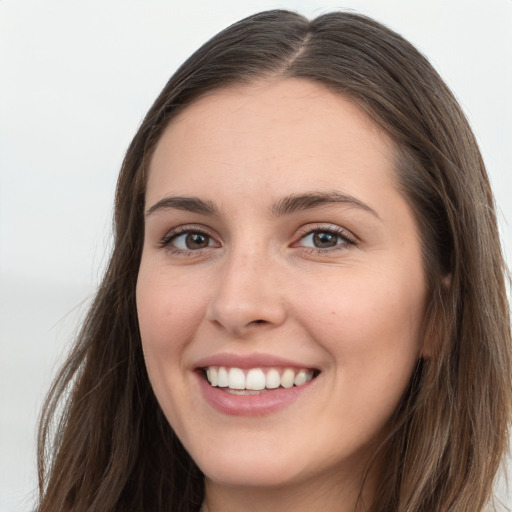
point(435, 327)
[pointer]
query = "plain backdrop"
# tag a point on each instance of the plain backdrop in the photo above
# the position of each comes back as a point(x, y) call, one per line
point(76, 78)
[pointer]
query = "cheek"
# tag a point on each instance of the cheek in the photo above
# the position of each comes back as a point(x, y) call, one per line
point(372, 336)
point(370, 325)
point(168, 318)
point(167, 313)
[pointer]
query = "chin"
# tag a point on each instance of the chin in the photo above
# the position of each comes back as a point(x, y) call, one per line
point(233, 475)
point(235, 469)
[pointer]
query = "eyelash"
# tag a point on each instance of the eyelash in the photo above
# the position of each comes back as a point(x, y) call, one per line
point(346, 239)
point(340, 233)
point(166, 242)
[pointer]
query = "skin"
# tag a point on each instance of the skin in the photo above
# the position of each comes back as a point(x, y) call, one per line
point(352, 310)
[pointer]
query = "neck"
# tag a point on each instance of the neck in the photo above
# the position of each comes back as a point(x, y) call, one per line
point(346, 493)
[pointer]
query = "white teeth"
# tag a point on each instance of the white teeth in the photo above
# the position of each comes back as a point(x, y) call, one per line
point(273, 379)
point(242, 391)
point(236, 378)
point(222, 378)
point(287, 378)
point(212, 376)
point(300, 378)
point(255, 379)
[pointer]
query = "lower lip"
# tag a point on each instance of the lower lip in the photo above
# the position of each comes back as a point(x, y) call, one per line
point(251, 405)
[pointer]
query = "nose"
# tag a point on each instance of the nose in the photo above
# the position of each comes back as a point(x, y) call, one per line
point(248, 295)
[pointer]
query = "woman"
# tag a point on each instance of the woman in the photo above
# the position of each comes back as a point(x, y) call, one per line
point(305, 307)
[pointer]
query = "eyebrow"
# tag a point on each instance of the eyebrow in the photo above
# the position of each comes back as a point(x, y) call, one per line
point(301, 202)
point(189, 204)
point(285, 206)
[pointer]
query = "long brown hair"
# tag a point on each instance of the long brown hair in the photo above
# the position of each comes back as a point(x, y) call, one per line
point(104, 444)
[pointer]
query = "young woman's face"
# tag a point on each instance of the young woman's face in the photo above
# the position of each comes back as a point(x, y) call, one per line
point(279, 256)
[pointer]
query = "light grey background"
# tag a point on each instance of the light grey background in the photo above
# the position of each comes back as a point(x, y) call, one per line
point(76, 78)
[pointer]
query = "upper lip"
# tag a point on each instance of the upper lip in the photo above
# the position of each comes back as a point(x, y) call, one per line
point(232, 360)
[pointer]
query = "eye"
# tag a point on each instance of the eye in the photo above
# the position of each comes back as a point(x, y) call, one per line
point(188, 240)
point(321, 239)
point(191, 241)
point(325, 239)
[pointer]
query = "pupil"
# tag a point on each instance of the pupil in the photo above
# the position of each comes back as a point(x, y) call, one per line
point(196, 241)
point(323, 239)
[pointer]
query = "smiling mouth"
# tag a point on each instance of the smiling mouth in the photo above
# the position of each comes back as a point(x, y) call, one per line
point(256, 380)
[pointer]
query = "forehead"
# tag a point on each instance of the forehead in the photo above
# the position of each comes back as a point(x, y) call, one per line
point(284, 132)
